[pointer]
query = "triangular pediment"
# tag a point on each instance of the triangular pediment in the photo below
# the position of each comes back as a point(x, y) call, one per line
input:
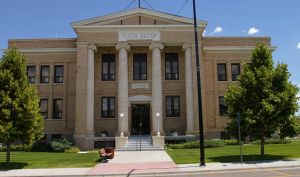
point(139, 16)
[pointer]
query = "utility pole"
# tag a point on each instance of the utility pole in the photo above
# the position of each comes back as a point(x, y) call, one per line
point(139, 3)
point(201, 136)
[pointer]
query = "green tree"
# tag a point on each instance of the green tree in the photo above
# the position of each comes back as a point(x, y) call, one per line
point(20, 119)
point(264, 96)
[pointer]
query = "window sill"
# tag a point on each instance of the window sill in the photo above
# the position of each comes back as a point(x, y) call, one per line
point(106, 118)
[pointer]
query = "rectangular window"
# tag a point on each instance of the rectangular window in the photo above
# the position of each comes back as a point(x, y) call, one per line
point(57, 108)
point(222, 106)
point(31, 72)
point(59, 74)
point(108, 107)
point(108, 67)
point(222, 73)
point(45, 74)
point(44, 107)
point(173, 106)
point(172, 68)
point(140, 67)
point(235, 71)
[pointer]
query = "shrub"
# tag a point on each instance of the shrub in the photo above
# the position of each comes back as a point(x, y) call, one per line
point(231, 142)
point(41, 147)
point(196, 144)
point(273, 141)
point(60, 145)
point(18, 147)
point(72, 149)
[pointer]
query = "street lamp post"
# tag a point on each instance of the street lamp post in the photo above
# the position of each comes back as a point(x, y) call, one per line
point(202, 153)
point(121, 116)
point(157, 116)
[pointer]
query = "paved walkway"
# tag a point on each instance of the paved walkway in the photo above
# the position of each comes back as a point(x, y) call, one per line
point(130, 162)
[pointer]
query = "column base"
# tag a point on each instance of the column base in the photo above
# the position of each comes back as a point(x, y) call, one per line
point(84, 142)
point(158, 141)
point(121, 141)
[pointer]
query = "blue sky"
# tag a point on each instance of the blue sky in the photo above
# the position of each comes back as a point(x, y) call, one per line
point(51, 18)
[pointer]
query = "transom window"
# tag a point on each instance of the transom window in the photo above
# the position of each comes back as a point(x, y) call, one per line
point(140, 67)
point(45, 74)
point(235, 71)
point(172, 69)
point(44, 107)
point(108, 67)
point(31, 72)
point(222, 73)
point(57, 108)
point(173, 106)
point(59, 74)
point(222, 106)
point(108, 107)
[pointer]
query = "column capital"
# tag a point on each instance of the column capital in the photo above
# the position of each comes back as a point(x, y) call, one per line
point(156, 45)
point(186, 46)
point(124, 45)
point(92, 47)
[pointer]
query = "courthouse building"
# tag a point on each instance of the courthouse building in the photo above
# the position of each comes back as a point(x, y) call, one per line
point(133, 73)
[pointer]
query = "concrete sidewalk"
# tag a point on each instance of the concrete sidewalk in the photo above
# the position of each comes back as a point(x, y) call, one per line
point(145, 167)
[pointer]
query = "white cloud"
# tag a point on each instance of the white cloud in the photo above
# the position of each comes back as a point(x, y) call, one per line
point(253, 31)
point(218, 29)
point(298, 46)
point(204, 33)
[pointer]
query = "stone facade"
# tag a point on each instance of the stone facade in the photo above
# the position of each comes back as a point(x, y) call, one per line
point(143, 31)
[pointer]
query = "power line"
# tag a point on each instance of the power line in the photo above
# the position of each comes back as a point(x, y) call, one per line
point(183, 6)
point(130, 4)
point(148, 4)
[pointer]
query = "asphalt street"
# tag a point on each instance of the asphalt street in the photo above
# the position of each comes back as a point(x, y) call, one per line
point(269, 172)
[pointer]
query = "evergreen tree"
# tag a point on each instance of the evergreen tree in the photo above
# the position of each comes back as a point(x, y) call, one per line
point(264, 97)
point(20, 119)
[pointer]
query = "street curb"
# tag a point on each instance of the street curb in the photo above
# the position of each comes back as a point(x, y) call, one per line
point(167, 173)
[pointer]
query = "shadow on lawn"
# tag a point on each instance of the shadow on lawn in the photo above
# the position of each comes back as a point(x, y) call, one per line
point(12, 166)
point(249, 158)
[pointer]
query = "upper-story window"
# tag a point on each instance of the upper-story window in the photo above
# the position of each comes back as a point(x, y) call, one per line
point(173, 106)
point(222, 106)
point(222, 73)
point(108, 67)
point(172, 67)
point(57, 108)
point(235, 71)
point(31, 72)
point(59, 74)
point(108, 107)
point(45, 74)
point(44, 107)
point(140, 67)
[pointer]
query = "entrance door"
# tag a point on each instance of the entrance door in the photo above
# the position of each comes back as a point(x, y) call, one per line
point(140, 122)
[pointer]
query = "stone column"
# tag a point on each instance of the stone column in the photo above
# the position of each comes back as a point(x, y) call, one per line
point(84, 121)
point(189, 89)
point(123, 88)
point(157, 112)
point(90, 91)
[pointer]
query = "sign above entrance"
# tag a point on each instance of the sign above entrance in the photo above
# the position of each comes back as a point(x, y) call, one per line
point(139, 35)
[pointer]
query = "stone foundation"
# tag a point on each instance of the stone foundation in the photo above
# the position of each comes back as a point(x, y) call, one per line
point(121, 142)
point(158, 141)
point(84, 143)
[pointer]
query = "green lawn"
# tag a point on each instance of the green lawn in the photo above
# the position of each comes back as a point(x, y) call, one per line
point(231, 153)
point(48, 160)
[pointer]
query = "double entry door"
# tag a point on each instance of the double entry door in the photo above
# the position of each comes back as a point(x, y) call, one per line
point(140, 120)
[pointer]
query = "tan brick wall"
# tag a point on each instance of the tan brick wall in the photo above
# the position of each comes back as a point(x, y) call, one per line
point(74, 88)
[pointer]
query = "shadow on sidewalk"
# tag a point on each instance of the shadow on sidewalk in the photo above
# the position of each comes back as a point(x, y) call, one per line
point(249, 159)
point(12, 166)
